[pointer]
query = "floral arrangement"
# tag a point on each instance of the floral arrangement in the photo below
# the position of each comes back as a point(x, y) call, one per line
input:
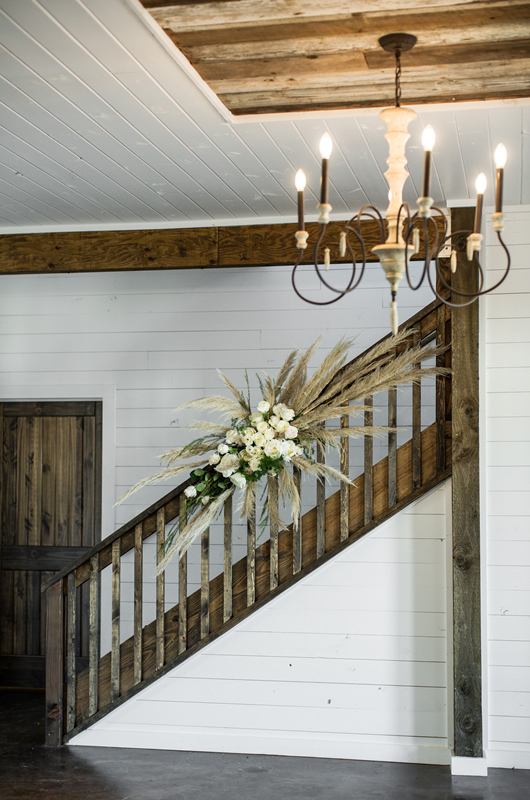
point(282, 432)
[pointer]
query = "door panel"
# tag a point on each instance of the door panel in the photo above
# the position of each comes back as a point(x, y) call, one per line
point(50, 514)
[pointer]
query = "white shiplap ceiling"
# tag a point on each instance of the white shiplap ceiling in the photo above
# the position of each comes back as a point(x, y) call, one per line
point(104, 125)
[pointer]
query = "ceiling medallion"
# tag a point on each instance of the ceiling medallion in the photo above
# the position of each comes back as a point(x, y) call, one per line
point(404, 232)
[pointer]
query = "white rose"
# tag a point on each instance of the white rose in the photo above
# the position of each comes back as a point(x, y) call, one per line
point(291, 432)
point(269, 434)
point(230, 436)
point(190, 491)
point(262, 426)
point(223, 449)
point(238, 480)
point(289, 449)
point(214, 458)
point(250, 449)
point(246, 456)
point(254, 464)
point(259, 439)
point(273, 449)
point(255, 418)
point(263, 407)
point(228, 464)
point(249, 431)
point(274, 420)
point(205, 500)
point(282, 426)
point(248, 438)
point(288, 414)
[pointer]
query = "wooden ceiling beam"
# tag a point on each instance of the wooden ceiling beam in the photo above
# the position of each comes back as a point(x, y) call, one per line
point(191, 248)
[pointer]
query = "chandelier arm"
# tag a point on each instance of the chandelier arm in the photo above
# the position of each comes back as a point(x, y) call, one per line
point(366, 211)
point(477, 263)
point(398, 220)
point(427, 251)
point(473, 296)
point(352, 284)
point(300, 295)
point(340, 292)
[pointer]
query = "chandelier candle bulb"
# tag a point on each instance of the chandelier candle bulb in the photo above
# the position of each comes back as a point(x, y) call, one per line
point(480, 186)
point(500, 157)
point(427, 140)
point(300, 183)
point(326, 146)
point(454, 261)
point(327, 259)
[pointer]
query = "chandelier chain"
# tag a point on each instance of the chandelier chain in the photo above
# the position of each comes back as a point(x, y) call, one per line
point(398, 77)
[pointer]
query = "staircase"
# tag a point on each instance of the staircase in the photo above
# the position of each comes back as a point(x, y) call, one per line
point(78, 695)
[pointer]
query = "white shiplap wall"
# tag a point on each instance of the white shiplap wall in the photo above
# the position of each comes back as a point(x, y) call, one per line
point(154, 340)
point(507, 372)
point(349, 663)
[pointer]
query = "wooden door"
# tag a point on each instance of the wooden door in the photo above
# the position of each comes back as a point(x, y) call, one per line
point(50, 514)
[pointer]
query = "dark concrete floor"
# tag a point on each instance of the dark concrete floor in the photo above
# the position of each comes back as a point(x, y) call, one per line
point(29, 771)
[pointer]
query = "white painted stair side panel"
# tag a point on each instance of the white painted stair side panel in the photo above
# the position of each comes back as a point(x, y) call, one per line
point(353, 671)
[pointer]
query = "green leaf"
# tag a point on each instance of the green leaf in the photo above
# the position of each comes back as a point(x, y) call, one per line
point(198, 472)
point(201, 486)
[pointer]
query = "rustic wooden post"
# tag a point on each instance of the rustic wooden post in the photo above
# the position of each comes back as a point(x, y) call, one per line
point(54, 665)
point(466, 508)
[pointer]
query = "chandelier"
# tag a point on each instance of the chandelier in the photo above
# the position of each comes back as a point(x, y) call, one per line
point(405, 231)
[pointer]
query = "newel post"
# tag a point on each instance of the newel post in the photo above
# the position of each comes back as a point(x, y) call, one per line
point(468, 737)
point(54, 665)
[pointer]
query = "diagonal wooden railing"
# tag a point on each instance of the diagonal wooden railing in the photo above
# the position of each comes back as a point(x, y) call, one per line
point(77, 697)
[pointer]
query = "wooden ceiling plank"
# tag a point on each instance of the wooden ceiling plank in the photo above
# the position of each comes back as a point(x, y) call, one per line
point(361, 31)
point(320, 45)
point(223, 13)
point(424, 82)
point(266, 70)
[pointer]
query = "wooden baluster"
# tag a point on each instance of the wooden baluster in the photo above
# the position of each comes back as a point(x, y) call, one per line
point(273, 561)
point(115, 638)
point(440, 393)
point(344, 488)
point(183, 584)
point(227, 570)
point(416, 426)
point(54, 665)
point(138, 580)
point(297, 525)
point(93, 650)
point(392, 448)
point(160, 590)
point(251, 554)
point(368, 464)
point(321, 504)
point(205, 583)
point(70, 652)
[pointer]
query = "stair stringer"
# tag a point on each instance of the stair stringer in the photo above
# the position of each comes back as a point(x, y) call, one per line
point(348, 662)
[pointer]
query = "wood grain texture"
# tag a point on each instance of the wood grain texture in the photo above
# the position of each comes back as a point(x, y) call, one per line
point(297, 525)
point(227, 561)
point(392, 447)
point(272, 484)
point(160, 589)
point(205, 583)
point(54, 665)
point(466, 510)
point(321, 503)
point(94, 633)
point(115, 623)
point(98, 251)
point(251, 555)
point(70, 652)
point(368, 464)
point(285, 56)
point(183, 577)
point(416, 426)
point(138, 586)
